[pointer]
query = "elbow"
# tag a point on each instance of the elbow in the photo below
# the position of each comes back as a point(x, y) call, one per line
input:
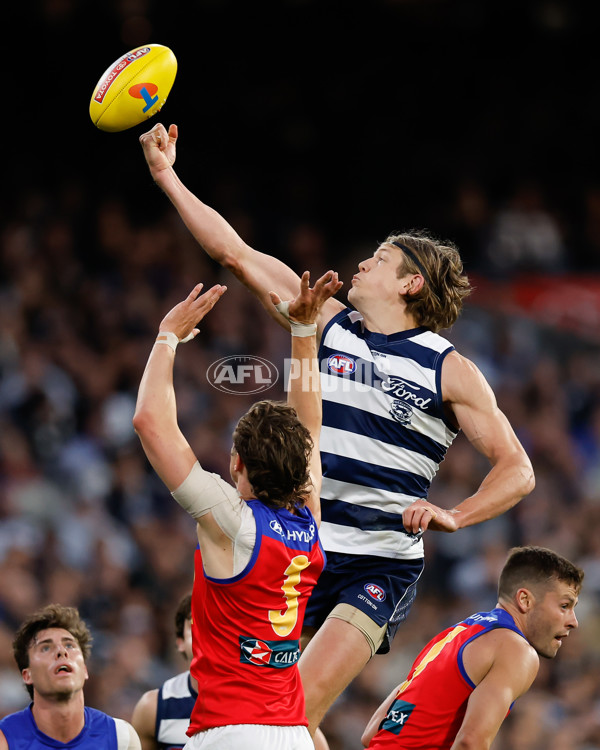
point(227, 256)
point(366, 737)
point(470, 741)
point(527, 478)
point(143, 422)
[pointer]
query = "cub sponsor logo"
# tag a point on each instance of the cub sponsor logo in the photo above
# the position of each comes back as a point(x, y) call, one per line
point(341, 364)
point(277, 654)
point(375, 591)
point(256, 652)
point(397, 716)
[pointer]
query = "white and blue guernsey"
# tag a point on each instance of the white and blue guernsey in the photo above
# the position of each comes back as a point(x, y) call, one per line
point(384, 433)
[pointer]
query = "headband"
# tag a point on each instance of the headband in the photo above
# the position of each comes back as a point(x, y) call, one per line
point(415, 260)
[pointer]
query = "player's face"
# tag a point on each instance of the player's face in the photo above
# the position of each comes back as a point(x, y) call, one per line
point(552, 618)
point(377, 278)
point(56, 666)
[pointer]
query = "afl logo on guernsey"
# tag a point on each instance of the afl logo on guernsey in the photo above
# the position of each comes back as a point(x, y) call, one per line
point(276, 527)
point(375, 591)
point(341, 364)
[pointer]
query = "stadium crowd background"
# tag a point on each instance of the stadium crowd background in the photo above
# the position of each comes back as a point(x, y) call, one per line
point(315, 128)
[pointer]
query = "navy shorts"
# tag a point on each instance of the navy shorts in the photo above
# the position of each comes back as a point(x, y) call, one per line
point(383, 589)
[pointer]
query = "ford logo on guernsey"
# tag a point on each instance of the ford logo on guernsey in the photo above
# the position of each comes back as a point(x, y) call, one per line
point(375, 591)
point(242, 374)
point(341, 364)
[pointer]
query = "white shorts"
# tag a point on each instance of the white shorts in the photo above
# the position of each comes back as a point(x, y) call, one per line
point(251, 737)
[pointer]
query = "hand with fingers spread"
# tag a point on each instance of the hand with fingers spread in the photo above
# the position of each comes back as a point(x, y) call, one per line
point(306, 306)
point(185, 316)
point(159, 147)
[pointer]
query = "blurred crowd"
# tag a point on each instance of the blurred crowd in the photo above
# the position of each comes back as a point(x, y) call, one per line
point(85, 522)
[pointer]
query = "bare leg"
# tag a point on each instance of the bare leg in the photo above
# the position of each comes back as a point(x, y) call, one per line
point(333, 658)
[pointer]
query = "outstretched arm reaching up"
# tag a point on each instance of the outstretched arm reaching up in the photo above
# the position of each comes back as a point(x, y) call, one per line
point(257, 271)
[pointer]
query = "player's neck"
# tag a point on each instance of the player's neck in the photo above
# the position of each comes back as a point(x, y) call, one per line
point(388, 321)
point(62, 721)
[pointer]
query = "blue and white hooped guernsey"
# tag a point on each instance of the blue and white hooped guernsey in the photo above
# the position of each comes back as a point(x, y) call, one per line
point(384, 433)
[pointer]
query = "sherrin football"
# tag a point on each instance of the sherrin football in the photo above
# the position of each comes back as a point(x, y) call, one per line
point(133, 88)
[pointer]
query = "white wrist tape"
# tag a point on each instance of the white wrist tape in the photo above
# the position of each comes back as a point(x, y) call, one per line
point(171, 339)
point(298, 329)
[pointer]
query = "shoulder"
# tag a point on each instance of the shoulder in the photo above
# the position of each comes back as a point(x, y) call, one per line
point(144, 713)
point(501, 650)
point(462, 380)
point(341, 316)
point(3, 742)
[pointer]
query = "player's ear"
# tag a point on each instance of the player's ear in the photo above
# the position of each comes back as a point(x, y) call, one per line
point(524, 600)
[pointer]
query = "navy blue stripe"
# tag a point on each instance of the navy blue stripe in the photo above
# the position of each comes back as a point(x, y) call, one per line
point(369, 475)
point(175, 708)
point(376, 340)
point(360, 517)
point(360, 422)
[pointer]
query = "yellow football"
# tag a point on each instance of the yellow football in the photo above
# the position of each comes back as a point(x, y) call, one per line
point(133, 88)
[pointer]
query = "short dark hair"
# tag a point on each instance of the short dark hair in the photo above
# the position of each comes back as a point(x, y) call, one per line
point(438, 303)
point(275, 447)
point(183, 613)
point(536, 566)
point(51, 616)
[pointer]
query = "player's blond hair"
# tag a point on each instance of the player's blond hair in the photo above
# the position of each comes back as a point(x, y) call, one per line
point(438, 303)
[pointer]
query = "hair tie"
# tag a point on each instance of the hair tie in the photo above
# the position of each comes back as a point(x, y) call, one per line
point(415, 260)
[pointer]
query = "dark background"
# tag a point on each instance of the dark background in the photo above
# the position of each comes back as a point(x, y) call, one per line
point(362, 117)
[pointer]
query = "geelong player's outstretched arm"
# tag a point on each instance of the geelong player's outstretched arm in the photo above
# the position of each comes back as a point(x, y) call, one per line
point(258, 271)
point(304, 386)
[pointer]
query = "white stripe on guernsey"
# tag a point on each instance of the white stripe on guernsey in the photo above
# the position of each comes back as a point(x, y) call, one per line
point(347, 342)
point(431, 341)
point(124, 734)
point(177, 687)
point(377, 403)
point(173, 731)
point(367, 497)
point(375, 452)
point(392, 544)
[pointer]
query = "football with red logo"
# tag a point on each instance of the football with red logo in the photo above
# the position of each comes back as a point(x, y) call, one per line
point(133, 88)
